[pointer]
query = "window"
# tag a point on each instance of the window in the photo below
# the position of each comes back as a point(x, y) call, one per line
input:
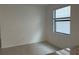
point(61, 20)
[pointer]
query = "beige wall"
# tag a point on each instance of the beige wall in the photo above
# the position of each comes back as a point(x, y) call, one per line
point(75, 24)
point(21, 24)
point(60, 40)
point(26, 24)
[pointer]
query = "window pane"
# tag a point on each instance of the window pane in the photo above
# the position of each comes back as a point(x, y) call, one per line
point(64, 19)
point(63, 27)
point(63, 12)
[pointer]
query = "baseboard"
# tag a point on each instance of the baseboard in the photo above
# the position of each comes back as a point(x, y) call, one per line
point(21, 45)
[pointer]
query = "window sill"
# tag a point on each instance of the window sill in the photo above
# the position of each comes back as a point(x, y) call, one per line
point(62, 34)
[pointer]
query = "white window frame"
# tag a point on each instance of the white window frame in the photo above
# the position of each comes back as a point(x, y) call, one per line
point(54, 20)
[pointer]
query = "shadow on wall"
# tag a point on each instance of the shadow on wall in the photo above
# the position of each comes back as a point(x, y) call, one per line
point(37, 36)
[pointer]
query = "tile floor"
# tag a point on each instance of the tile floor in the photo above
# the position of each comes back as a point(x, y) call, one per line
point(41, 48)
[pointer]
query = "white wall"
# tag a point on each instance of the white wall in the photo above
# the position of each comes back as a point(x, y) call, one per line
point(63, 41)
point(21, 24)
